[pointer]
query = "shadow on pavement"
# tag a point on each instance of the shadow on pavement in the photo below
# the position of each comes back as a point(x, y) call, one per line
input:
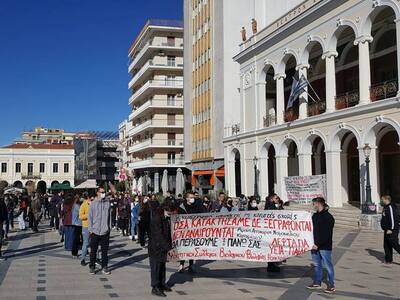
point(128, 261)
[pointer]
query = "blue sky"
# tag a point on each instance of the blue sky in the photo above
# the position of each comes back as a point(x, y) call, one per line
point(63, 63)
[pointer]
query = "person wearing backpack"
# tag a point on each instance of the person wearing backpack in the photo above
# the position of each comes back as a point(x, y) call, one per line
point(390, 226)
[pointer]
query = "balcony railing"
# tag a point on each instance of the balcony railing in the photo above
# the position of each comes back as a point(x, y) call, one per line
point(347, 99)
point(269, 120)
point(291, 115)
point(167, 103)
point(316, 108)
point(159, 83)
point(384, 90)
point(30, 175)
point(162, 162)
point(155, 122)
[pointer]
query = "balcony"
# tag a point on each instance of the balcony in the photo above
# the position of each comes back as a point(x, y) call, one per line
point(347, 99)
point(144, 90)
point(384, 90)
point(269, 120)
point(171, 104)
point(156, 123)
point(156, 143)
point(30, 175)
point(157, 162)
point(154, 46)
point(150, 66)
point(316, 108)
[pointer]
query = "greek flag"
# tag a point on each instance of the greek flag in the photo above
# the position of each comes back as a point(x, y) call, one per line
point(298, 87)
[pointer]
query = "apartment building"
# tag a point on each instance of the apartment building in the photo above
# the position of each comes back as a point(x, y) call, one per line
point(46, 135)
point(153, 133)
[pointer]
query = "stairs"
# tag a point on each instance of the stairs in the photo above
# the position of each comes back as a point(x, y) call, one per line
point(345, 217)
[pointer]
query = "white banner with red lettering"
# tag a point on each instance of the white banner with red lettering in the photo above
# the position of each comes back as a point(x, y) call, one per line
point(263, 236)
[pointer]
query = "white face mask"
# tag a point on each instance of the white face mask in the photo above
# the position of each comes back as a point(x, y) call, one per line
point(277, 205)
point(253, 204)
point(145, 200)
point(191, 200)
point(102, 195)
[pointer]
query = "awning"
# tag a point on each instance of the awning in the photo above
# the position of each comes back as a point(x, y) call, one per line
point(60, 187)
point(220, 172)
point(203, 172)
point(88, 184)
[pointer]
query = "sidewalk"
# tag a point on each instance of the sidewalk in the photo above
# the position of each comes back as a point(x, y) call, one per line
point(38, 268)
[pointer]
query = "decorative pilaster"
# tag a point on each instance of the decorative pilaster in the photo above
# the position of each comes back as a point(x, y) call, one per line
point(280, 97)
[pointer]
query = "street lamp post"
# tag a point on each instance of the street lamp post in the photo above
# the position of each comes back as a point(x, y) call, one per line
point(368, 207)
point(255, 160)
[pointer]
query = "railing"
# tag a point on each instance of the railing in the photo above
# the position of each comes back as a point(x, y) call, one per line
point(384, 90)
point(177, 103)
point(168, 83)
point(316, 108)
point(31, 176)
point(291, 115)
point(156, 162)
point(269, 120)
point(347, 99)
point(155, 122)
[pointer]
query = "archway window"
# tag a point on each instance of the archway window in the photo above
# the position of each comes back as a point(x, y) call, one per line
point(347, 73)
point(271, 170)
point(383, 56)
point(270, 98)
point(293, 161)
point(316, 76)
point(238, 180)
point(318, 157)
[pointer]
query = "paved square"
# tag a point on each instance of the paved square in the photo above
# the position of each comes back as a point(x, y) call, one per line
point(38, 268)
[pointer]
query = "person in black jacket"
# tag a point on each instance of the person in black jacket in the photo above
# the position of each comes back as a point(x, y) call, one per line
point(273, 202)
point(390, 226)
point(323, 223)
point(3, 219)
point(159, 244)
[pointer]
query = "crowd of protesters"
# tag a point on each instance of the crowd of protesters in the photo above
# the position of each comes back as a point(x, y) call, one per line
point(85, 223)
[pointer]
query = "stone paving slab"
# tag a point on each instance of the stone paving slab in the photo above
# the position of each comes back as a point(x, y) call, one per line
point(38, 268)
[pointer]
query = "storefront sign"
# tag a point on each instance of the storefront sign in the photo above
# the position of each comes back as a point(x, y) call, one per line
point(259, 236)
point(302, 189)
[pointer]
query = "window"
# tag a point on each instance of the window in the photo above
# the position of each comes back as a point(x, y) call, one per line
point(3, 167)
point(171, 100)
point(171, 158)
point(171, 41)
point(30, 168)
point(171, 61)
point(55, 168)
point(42, 168)
point(66, 168)
point(18, 168)
point(171, 139)
point(171, 119)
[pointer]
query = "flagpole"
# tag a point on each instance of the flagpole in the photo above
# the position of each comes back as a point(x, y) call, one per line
point(319, 99)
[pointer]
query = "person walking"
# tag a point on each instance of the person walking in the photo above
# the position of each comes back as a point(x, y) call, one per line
point(123, 214)
point(66, 216)
point(3, 218)
point(99, 229)
point(35, 211)
point(323, 223)
point(159, 244)
point(54, 210)
point(144, 220)
point(77, 226)
point(135, 212)
point(84, 217)
point(20, 214)
point(390, 226)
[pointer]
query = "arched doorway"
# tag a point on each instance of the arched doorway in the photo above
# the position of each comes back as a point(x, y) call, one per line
point(18, 184)
point(267, 170)
point(346, 66)
point(41, 187)
point(53, 183)
point(293, 160)
point(66, 182)
point(316, 76)
point(270, 97)
point(318, 158)
point(292, 113)
point(389, 165)
point(383, 54)
point(238, 180)
point(351, 168)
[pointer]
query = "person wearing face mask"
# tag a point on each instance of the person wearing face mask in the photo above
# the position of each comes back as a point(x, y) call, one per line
point(273, 202)
point(188, 207)
point(144, 219)
point(206, 204)
point(135, 212)
point(99, 229)
point(252, 204)
point(159, 244)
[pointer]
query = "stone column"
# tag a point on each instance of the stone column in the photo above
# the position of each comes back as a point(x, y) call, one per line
point(330, 79)
point(303, 99)
point(263, 177)
point(281, 173)
point(397, 21)
point(333, 179)
point(305, 165)
point(261, 104)
point(280, 98)
point(364, 68)
point(156, 182)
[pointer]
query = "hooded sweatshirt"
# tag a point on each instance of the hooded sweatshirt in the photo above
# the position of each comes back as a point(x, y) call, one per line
point(99, 216)
point(323, 223)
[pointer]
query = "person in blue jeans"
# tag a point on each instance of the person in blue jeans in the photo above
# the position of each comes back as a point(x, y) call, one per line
point(321, 253)
point(135, 211)
point(84, 217)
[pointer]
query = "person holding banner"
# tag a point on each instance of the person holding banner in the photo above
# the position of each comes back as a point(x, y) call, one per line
point(323, 223)
point(189, 207)
point(159, 244)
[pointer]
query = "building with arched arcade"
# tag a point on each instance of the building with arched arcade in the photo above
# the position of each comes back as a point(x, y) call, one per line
point(348, 51)
point(39, 166)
